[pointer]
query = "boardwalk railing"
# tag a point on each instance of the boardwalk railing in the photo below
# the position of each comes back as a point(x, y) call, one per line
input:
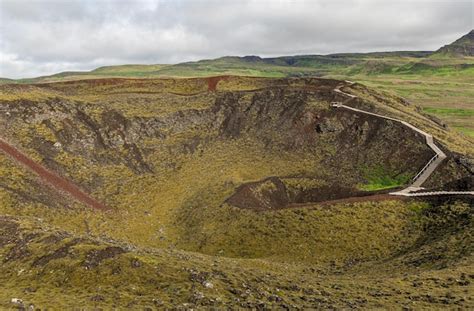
point(425, 167)
point(426, 171)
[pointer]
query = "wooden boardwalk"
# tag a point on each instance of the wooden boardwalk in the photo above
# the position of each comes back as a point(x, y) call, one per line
point(426, 171)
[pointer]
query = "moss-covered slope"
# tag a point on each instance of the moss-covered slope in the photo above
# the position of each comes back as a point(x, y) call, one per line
point(167, 156)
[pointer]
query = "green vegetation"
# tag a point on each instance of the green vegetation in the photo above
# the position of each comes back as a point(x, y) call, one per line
point(465, 130)
point(378, 178)
point(127, 70)
point(193, 160)
point(431, 82)
point(455, 93)
point(50, 268)
point(289, 235)
point(450, 111)
point(170, 242)
point(442, 79)
point(165, 154)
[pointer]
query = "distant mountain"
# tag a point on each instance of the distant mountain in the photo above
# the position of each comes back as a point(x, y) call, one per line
point(450, 58)
point(464, 46)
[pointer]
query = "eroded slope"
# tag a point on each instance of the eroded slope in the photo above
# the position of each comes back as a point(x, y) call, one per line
point(185, 164)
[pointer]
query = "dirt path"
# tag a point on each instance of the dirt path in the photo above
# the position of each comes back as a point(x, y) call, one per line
point(49, 177)
point(212, 82)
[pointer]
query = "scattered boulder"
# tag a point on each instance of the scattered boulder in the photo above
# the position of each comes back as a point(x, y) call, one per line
point(17, 302)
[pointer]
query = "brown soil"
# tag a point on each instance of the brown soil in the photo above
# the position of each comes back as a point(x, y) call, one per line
point(272, 194)
point(50, 178)
point(212, 82)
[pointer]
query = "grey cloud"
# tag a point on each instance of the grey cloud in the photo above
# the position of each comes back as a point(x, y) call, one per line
point(46, 36)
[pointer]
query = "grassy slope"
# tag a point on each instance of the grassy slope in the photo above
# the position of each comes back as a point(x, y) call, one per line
point(432, 89)
point(185, 180)
point(163, 229)
point(52, 268)
point(432, 81)
point(187, 213)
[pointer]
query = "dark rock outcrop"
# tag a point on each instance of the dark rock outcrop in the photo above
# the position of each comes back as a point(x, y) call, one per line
point(464, 46)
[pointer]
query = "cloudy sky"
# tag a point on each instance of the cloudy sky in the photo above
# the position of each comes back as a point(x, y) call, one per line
point(39, 37)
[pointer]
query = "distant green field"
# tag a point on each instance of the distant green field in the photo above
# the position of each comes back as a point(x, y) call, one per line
point(450, 98)
point(450, 111)
point(442, 84)
point(465, 130)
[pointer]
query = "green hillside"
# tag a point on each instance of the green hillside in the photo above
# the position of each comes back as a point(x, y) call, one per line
point(228, 191)
point(432, 80)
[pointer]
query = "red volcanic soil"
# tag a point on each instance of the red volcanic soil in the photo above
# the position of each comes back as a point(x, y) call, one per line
point(212, 82)
point(51, 178)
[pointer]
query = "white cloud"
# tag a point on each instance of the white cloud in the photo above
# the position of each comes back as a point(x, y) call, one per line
point(40, 37)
